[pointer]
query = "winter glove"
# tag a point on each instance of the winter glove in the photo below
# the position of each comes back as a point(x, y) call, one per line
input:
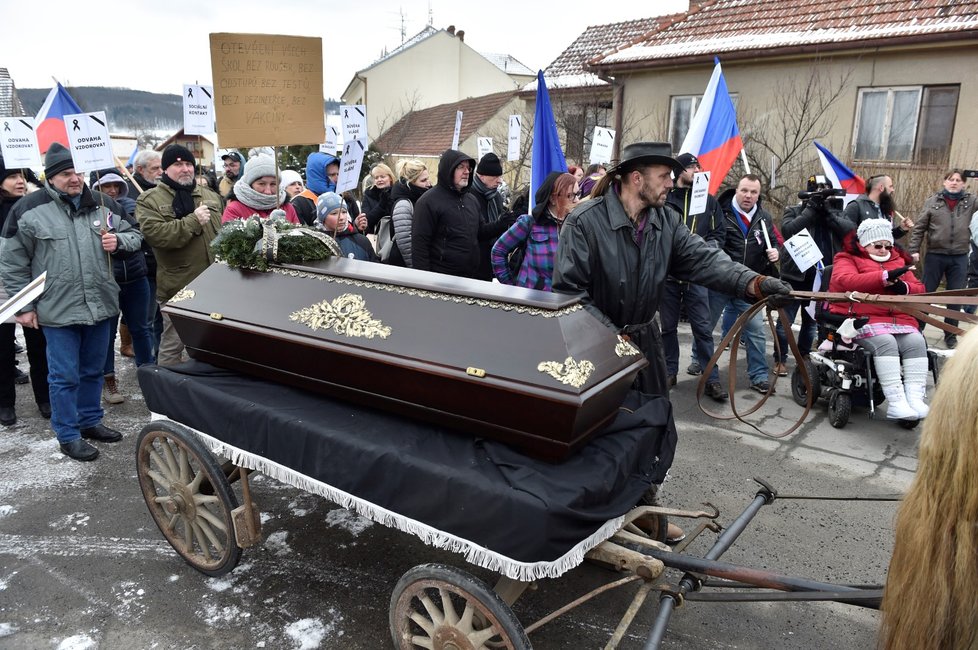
point(816, 201)
point(891, 276)
point(766, 286)
point(900, 288)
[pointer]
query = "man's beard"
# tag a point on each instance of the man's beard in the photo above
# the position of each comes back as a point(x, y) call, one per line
point(887, 206)
point(647, 195)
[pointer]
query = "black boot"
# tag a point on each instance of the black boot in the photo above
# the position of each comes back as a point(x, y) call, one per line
point(7, 415)
point(79, 450)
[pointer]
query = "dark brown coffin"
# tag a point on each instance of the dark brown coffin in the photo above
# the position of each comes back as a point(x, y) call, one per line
point(529, 368)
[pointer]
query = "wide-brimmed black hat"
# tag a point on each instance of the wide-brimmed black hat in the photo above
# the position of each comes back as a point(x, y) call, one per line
point(646, 153)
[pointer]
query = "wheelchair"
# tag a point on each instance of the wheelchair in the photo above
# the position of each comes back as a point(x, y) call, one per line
point(842, 374)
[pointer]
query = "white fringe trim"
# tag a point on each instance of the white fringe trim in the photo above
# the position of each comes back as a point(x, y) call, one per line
point(474, 553)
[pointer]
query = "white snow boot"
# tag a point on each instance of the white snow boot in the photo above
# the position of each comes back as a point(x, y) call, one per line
point(888, 374)
point(915, 383)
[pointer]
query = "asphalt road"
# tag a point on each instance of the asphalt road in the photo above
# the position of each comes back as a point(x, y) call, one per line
point(82, 565)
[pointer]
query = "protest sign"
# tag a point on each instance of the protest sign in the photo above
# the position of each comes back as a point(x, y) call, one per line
point(268, 89)
point(88, 139)
point(330, 145)
point(198, 110)
point(484, 146)
point(602, 142)
point(350, 165)
point(18, 143)
point(803, 250)
point(699, 193)
point(354, 120)
point(515, 131)
point(458, 129)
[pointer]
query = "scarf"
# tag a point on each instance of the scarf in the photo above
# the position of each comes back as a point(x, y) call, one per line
point(954, 196)
point(183, 196)
point(744, 218)
point(255, 199)
point(492, 197)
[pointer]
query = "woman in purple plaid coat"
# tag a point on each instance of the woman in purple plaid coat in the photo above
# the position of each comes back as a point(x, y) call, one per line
point(554, 200)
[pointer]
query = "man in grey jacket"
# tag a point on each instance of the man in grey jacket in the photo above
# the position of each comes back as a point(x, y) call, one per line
point(619, 247)
point(71, 233)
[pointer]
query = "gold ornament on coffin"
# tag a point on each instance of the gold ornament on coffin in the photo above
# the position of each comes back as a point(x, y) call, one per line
point(625, 348)
point(183, 294)
point(346, 315)
point(570, 372)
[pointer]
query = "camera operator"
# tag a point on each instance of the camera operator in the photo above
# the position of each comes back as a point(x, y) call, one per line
point(820, 212)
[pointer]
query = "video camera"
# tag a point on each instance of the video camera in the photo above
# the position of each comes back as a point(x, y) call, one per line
point(826, 193)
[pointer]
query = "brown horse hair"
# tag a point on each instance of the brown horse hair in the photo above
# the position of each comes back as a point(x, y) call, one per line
point(931, 596)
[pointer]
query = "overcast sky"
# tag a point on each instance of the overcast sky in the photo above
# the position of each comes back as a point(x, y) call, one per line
point(159, 46)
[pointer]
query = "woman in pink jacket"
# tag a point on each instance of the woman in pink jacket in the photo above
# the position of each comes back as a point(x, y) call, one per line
point(871, 264)
point(257, 192)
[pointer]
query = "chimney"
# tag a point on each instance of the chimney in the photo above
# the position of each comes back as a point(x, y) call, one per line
point(461, 35)
point(451, 30)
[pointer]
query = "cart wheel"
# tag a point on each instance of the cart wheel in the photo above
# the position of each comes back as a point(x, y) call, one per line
point(908, 424)
point(173, 467)
point(840, 406)
point(440, 607)
point(798, 390)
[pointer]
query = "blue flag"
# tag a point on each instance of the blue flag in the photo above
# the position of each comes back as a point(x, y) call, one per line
point(547, 155)
point(132, 156)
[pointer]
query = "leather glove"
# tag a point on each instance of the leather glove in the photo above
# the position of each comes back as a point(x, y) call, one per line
point(766, 286)
point(900, 288)
point(896, 273)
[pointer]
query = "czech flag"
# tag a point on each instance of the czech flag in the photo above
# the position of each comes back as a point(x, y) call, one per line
point(713, 135)
point(839, 174)
point(50, 119)
point(547, 155)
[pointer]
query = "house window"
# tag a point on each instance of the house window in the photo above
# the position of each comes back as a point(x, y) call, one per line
point(682, 108)
point(905, 123)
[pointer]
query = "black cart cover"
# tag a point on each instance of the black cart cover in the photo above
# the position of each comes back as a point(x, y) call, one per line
point(504, 511)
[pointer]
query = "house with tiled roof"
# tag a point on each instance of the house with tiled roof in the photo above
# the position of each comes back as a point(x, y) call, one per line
point(886, 85)
point(10, 105)
point(426, 133)
point(433, 67)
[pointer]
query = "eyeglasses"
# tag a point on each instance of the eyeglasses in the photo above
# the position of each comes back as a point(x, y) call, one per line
point(571, 196)
point(886, 246)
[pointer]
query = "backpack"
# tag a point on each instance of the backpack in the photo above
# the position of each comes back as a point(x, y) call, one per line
point(385, 238)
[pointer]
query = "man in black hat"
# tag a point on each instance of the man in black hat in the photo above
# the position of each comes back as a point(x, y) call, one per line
point(494, 220)
point(619, 247)
point(179, 219)
point(708, 224)
point(69, 231)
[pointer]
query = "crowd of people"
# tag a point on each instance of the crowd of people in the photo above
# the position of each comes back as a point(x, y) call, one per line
point(627, 237)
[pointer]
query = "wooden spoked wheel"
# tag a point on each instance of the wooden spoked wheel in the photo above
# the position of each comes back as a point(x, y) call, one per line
point(188, 496)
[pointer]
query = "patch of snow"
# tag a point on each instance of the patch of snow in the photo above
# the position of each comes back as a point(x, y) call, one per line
point(72, 521)
point(230, 614)
point(78, 642)
point(276, 543)
point(6, 511)
point(348, 520)
point(308, 633)
point(6, 629)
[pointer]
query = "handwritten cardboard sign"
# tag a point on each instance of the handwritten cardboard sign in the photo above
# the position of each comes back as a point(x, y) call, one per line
point(198, 109)
point(88, 139)
point(268, 89)
point(18, 142)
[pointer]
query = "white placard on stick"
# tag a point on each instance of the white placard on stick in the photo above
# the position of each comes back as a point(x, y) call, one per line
point(515, 133)
point(332, 133)
point(350, 165)
point(700, 193)
point(484, 146)
point(198, 109)
point(88, 139)
point(458, 130)
point(803, 250)
point(354, 119)
point(602, 143)
point(18, 142)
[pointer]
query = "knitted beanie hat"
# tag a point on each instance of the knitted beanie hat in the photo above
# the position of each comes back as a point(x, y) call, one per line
point(255, 168)
point(489, 165)
point(174, 153)
point(327, 203)
point(873, 230)
point(289, 176)
point(56, 160)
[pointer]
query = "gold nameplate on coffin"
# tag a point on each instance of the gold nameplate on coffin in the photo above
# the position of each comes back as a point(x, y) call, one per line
point(479, 357)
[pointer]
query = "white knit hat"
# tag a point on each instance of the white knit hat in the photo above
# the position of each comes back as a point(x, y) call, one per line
point(288, 176)
point(873, 230)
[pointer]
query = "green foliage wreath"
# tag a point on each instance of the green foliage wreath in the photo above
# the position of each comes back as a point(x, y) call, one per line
point(241, 243)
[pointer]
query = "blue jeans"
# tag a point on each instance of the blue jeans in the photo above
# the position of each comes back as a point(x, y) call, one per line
point(731, 308)
point(809, 331)
point(76, 354)
point(134, 299)
point(697, 301)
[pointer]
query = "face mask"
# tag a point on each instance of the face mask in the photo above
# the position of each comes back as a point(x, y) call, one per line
point(879, 258)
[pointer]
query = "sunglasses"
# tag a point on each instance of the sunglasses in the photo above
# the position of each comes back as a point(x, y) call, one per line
point(886, 246)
